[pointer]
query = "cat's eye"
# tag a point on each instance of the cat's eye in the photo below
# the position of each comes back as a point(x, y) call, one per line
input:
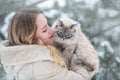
point(74, 30)
point(71, 26)
point(57, 26)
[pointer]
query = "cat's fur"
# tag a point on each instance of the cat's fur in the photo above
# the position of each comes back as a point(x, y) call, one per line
point(74, 46)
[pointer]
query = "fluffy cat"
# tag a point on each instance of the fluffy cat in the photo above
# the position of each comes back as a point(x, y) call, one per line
point(74, 46)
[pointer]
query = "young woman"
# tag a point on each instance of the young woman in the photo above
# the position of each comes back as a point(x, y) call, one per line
point(28, 53)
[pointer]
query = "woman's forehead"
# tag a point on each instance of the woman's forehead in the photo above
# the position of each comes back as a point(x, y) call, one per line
point(41, 20)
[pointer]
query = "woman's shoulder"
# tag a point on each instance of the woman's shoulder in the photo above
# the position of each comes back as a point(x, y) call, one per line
point(13, 55)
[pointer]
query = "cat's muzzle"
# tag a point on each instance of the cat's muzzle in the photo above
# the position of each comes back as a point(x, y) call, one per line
point(64, 35)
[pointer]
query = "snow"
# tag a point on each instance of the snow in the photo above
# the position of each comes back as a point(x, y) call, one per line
point(29, 2)
point(61, 3)
point(79, 0)
point(103, 12)
point(90, 3)
point(101, 54)
point(117, 59)
point(108, 46)
point(51, 13)
point(64, 15)
point(50, 4)
point(116, 33)
point(47, 4)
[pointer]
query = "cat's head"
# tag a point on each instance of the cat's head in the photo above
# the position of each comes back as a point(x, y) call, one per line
point(65, 30)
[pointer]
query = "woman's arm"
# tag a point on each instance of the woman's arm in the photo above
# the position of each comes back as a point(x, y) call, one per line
point(46, 70)
point(82, 69)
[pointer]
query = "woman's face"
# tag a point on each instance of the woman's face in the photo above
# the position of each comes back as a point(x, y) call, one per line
point(44, 32)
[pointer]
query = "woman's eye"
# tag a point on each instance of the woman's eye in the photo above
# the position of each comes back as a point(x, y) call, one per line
point(44, 30)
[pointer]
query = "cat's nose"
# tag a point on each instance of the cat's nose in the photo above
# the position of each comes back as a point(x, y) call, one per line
point(68, 35)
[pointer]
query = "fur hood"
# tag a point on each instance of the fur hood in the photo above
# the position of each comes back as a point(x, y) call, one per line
point(22, 54)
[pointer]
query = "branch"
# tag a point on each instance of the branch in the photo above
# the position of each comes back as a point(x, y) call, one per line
point(36, 3)
point(103, 31)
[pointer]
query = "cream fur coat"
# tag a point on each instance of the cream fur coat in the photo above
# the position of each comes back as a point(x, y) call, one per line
point(33, 62)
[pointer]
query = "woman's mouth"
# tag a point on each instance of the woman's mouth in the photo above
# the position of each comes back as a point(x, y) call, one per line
point(51, 36)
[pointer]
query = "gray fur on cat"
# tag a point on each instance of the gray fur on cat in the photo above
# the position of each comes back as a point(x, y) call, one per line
point(74, 46)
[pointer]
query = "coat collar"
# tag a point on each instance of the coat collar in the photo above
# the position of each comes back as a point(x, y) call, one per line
point(21, 54)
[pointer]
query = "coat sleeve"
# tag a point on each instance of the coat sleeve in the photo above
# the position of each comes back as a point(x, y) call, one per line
point(46, 70)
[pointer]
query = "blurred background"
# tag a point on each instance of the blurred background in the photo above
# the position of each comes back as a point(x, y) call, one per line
point(100, 20)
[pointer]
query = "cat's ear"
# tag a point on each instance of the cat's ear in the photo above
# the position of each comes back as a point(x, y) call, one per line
point(79, 26)
point(73, 25)
point(60, 22)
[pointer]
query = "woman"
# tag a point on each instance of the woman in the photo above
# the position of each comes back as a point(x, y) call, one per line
point(28, 53)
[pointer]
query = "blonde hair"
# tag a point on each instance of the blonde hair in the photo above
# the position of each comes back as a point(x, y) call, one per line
point(22, 29)
point(55, 55)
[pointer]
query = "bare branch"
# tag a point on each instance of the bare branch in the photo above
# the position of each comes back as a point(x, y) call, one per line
point(103, 31)
point(34, 4)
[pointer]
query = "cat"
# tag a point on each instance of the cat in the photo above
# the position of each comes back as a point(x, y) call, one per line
point(74, 46)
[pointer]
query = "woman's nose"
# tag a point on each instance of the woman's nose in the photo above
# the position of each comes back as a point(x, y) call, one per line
point(50, 30)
